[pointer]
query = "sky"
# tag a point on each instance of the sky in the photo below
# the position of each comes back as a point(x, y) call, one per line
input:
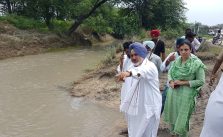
point(207, 12)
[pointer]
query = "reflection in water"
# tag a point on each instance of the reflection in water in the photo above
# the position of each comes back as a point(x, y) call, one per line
point(33, 101)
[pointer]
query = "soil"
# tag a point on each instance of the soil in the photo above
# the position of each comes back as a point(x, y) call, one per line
point(16, 42)
point(105, 91)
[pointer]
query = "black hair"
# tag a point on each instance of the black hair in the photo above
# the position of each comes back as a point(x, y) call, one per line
point(190, 35)
point(187, 42)
point(187, 31)
point(126, 44)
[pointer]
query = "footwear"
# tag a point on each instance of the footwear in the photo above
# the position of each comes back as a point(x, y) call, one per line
point(124, 132)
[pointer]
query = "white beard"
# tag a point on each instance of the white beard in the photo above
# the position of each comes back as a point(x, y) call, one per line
point(138, 63)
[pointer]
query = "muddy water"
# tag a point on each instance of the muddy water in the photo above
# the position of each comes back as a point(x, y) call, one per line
point(34, 101)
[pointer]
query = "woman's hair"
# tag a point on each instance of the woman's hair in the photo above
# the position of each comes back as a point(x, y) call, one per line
point(187, 42)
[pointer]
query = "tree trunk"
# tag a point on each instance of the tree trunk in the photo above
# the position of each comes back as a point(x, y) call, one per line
point(74, 26)
point(81, 18)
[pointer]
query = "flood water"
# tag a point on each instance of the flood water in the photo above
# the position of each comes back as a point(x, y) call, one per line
point(35, 102)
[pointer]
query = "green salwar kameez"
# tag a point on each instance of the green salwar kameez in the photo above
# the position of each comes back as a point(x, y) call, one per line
point(180, 102)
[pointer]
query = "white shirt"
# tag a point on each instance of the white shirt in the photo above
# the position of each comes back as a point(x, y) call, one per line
point(143, 101)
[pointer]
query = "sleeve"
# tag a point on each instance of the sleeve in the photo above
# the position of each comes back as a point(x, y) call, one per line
point(159, 62)
point(118, 69)
point(163, 67)
point(169, 75)
point(200, 79)
point(196, 44)
point(162, 47)
point(147, 72)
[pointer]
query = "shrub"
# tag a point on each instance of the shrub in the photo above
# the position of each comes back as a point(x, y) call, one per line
point(23, 22)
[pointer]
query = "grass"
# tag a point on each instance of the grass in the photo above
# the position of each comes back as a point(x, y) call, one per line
point(25, 23)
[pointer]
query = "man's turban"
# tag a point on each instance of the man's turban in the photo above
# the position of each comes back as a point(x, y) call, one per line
point(155, 33)
point(139, 49)
point(149, 44)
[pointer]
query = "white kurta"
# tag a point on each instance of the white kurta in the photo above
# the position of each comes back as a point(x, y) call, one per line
point(125, 85)
point(213, 122)
point(143, 101)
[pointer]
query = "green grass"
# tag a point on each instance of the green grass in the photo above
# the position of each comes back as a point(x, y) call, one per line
point(25, 23)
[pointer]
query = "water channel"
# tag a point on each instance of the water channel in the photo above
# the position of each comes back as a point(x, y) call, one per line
point(34, 101)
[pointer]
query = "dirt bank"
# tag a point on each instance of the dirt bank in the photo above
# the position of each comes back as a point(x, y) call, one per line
point(16, 42)
point(100, 87)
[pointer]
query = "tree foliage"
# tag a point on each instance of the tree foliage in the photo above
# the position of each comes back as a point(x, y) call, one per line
point(118, 17)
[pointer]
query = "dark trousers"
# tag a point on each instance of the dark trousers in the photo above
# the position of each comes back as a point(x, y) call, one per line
point(164, 93)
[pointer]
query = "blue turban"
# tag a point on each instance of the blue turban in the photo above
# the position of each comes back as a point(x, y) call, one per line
point(139, 49)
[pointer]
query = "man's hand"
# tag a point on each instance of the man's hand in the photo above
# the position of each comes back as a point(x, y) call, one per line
point(123, 75)
point(172, 57)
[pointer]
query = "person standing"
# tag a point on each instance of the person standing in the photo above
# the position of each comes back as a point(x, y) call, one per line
point(151, 56)
point(159, 48)
point(124, 64)
point(165, 66)
point(186, 76)
point(191, 36)
point(213, 121)
point(143, 100)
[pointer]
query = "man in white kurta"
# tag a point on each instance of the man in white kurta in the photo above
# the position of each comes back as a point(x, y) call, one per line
point(126, 63)
point(213, 121)
point(143, 100)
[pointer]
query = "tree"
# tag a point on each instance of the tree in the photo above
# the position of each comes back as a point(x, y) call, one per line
point(80, 18)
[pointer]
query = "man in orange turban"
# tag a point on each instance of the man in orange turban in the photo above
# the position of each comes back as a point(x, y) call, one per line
point(159, 49)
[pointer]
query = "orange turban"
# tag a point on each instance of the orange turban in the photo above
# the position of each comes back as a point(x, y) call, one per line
point(154, 33)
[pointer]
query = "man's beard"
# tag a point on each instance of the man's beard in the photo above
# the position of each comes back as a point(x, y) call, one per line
point(138, 63)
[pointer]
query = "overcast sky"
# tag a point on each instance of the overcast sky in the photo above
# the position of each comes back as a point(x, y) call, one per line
point(208, 12)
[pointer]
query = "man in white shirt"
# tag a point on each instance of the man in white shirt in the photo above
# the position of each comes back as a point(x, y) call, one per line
point(191, 36)
point(143, 100)
point(124, 65)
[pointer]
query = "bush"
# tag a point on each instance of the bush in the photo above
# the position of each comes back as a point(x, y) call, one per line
point(171, 34)
point(23, 22)
point(110, 56)
point(61, 25)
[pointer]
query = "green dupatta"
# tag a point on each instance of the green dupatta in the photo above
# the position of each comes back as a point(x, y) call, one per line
point(187, 70)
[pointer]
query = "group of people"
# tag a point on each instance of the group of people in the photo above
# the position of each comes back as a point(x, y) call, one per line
point(141, 100)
